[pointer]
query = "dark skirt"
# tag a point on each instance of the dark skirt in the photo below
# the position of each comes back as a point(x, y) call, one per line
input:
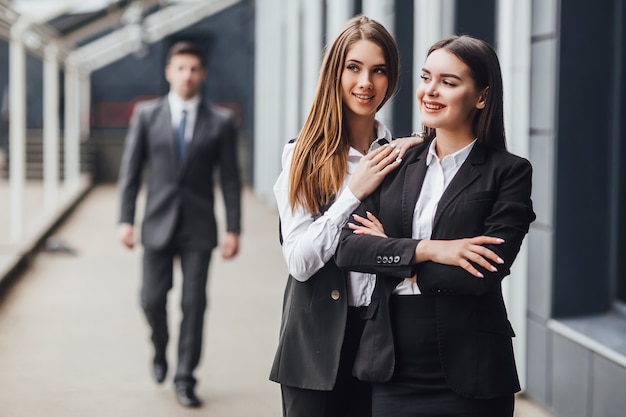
point(418, 387)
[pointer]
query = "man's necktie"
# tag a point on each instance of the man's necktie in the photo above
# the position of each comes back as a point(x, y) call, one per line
point(180, 137)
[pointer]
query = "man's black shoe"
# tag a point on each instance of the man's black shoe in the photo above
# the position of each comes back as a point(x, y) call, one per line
point(185, 395)
point(160, 370)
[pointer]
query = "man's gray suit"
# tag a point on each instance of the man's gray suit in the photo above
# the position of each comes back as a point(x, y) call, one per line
point(179, 216)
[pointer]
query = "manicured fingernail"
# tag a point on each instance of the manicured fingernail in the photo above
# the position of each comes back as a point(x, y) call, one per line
point(397, 150)
point(500, 260)
point(493, 269)
point(480, 275)
point(501, 240)
point(398, 160)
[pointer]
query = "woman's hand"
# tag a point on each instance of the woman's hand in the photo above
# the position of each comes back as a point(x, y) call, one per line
point(460, 252)
point(372, 169)
point(367, 226)
point(402, 145)
point(374, 166)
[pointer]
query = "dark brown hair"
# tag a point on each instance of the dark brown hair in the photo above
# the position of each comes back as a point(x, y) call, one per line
point(482, 60)
point(186, 48)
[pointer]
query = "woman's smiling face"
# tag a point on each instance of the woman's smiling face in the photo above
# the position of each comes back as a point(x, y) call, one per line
point(364, 79)
point(447, 94)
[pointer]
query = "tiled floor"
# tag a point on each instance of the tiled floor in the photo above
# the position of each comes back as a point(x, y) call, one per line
point(73, 341)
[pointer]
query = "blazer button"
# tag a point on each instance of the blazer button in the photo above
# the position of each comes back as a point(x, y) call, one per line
point(396, 259)
point(334, 294)
point(379, 259)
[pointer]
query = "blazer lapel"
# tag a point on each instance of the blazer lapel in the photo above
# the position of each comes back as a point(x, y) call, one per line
point(466, 174)
point(413, 181)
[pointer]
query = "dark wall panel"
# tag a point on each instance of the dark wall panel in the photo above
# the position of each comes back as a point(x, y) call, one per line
point(583, 161)
point(477, 18)
point(405, 99)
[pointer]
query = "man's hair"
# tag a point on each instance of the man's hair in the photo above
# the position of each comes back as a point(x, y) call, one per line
point(186, 48)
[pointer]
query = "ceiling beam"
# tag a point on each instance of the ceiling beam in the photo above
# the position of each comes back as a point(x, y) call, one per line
point(111, 21)
point(62, 7)
point(125, 41)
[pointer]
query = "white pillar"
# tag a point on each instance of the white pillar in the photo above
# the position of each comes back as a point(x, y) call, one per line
point(17, 130)
point(514, 22)
point(269, 62)
point(71, 150)
point(383, 12)
point(338, 12)
point(51, 134)
point(313, 51)
point(434, 19)
point(293, 113)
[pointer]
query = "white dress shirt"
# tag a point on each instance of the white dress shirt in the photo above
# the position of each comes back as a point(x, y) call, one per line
point(177, 105)
point(309, 242)
point(438, 175)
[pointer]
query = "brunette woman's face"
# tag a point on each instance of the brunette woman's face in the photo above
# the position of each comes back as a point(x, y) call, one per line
point(447, 96)
point(364, 79)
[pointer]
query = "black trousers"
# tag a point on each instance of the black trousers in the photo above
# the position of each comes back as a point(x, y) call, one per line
point(157, 281)
point(349, 398)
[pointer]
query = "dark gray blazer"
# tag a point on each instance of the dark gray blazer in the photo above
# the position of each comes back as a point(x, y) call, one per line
point(186, 190)
point(490, 195)
point(312, 330)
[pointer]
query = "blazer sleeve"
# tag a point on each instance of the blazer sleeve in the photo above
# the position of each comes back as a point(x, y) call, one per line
point(391, 256)
point(131, 166)
point(229, 176)
point(509, 219)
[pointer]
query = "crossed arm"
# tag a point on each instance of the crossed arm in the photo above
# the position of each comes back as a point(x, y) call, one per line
point(375, 241)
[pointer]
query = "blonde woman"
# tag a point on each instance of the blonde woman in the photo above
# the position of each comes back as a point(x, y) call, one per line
point(340, 156)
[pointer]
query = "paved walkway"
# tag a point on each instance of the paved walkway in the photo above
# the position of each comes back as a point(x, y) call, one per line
point(73, 341)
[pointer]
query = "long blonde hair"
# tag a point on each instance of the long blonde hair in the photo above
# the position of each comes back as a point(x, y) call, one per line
point(319, 162)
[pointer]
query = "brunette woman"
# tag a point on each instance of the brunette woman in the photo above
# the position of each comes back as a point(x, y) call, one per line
point(448, 225)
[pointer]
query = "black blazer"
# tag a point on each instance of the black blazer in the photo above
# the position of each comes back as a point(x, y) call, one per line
point(175, 190)
point(312, 330)
point(490, 195)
